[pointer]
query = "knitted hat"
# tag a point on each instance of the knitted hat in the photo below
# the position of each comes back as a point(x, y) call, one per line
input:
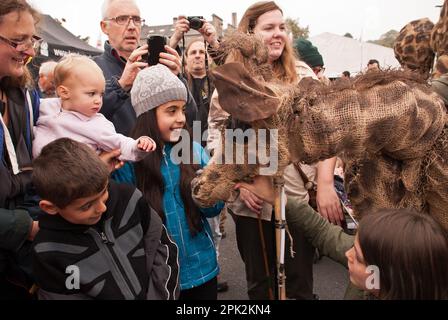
point(308, 53)
point(155, 86)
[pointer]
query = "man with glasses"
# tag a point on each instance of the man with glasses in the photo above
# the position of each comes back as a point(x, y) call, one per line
point(121, 60)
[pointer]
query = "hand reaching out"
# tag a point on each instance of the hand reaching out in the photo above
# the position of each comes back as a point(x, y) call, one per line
point(254, 203)
point(146, 144)
point(328, 204)
point(111, 160)
point(262, 187)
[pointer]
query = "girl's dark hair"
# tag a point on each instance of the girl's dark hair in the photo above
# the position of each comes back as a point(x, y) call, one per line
point(411, 251)
point(149, 176)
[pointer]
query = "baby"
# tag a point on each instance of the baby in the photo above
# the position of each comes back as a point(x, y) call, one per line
point(80, 86)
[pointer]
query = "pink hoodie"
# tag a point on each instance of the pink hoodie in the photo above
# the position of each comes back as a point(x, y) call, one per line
point(97, 132)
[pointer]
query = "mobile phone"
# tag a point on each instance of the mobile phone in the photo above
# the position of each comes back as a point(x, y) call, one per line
point(156, 45)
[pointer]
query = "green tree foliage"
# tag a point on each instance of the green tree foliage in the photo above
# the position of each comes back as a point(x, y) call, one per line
point(387, 39)
point(85, 39)
point(296, 30)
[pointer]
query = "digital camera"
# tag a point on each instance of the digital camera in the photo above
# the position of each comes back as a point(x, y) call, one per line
point(196, 22)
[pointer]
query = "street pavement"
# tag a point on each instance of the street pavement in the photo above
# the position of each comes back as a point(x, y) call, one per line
point(330, 278)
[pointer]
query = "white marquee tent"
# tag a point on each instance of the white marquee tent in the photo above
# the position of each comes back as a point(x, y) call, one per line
point(346, 54)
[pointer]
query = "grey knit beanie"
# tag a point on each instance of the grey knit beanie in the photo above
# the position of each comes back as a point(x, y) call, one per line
point(155, 86)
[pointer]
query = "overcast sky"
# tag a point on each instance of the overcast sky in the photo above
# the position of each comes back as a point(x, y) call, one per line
point(368, 19)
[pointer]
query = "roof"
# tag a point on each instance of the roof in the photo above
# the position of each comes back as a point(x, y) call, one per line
point(346, 54)
point(58, 41)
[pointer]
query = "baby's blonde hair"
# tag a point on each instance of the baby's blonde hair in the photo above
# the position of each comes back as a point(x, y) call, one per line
point(68, 66)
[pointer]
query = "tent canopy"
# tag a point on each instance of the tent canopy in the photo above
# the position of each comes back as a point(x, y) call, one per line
point(58, 41)
point(346, 54)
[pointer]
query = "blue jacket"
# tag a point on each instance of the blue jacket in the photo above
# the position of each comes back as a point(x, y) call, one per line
point(197, 256)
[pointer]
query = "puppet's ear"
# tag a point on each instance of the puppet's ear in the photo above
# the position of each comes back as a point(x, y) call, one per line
point(245, 98)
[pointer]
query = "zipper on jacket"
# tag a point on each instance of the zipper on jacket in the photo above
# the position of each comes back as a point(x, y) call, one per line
point(104, 246)
point(174, 195)
point(105, 239)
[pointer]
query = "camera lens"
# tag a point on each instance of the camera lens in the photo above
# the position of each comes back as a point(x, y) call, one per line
point(196, 23)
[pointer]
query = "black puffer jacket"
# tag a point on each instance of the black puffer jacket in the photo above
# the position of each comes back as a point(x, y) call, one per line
point(128, 255)
point(15, 221)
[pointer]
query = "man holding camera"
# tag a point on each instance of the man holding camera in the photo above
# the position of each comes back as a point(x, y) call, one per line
point(185, 24)
point(121, 62)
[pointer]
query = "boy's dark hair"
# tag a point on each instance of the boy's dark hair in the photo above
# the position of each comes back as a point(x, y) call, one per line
point(373, 61)
point(67, 170)
point(346, 73)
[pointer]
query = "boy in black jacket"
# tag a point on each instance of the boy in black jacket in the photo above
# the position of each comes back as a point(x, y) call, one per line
point(99, 240)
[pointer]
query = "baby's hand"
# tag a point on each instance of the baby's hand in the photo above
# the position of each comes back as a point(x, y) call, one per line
point(146, 144)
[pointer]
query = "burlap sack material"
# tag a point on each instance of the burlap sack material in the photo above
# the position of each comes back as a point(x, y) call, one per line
point(241, 105)
point(388, 128)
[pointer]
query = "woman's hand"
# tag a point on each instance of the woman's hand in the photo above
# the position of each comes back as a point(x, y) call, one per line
point(328, 204)
point(111, 160)
point(255, 194)
point(254, 203)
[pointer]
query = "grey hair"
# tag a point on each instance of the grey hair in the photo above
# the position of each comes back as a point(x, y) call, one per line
point(47, 67)
point(108, 3)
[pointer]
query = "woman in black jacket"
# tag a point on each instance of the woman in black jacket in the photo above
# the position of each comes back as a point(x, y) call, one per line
point(17, 46)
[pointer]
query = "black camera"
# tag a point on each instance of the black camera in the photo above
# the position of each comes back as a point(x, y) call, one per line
point(196, 22)
point(156, 45)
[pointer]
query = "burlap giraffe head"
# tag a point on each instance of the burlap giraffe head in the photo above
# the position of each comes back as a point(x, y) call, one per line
point(439, 36)
point(412, 48)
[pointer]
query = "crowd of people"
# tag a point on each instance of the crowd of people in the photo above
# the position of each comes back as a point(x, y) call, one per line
point(91, 189)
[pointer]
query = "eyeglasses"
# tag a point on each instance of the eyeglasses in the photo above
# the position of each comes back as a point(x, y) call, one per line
point(124, 20)
point(34, 43)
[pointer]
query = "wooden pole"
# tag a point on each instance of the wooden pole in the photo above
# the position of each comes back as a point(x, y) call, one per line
point(280, 232)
